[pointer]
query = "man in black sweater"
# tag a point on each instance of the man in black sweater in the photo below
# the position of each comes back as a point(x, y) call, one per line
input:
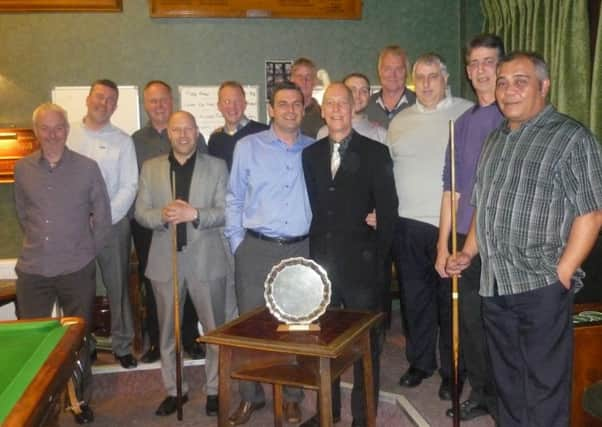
point(231, 104)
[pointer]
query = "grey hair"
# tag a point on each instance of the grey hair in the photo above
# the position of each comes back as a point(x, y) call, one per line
point(49, 106)
point(431, 58)
point(541, 68)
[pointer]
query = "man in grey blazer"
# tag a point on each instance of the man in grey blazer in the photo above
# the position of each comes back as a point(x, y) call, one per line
point(197, 212)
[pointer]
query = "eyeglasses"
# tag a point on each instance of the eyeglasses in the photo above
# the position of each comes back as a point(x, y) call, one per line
point(485, 63)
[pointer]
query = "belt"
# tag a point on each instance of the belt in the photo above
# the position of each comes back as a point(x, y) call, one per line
point(279, 240)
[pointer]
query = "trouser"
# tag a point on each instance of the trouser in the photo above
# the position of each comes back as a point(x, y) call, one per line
point(113, 261)
point(142, 239)
point(426, 297)
point(254, 259)
point(208, 298)
point(75, 294)
point(477, 362)
point(530, 341)
point(377, 337)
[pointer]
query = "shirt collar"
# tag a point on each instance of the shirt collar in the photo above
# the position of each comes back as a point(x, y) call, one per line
point(301, 141)
point(537, 121)
point(150, 128)
point(175, 164)
point(343, 142)
point(43, 162)
point(105, 129)
point(241, 124)
point(402, 100)
point(442, 105)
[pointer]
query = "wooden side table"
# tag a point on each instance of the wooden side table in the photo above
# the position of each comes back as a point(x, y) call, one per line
point(251, 349)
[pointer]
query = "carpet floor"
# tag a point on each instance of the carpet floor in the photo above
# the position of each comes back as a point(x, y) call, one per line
point(130, 398)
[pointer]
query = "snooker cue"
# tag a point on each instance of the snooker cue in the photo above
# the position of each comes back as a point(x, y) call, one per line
point(455, 295)
point(176, 303)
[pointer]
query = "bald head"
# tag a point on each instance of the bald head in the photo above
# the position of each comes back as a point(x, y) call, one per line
point(183, 134)
point(337, 110)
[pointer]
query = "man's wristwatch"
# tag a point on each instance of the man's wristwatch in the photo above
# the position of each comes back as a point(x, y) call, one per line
point(195, 221)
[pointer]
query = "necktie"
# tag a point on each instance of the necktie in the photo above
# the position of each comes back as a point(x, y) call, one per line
point(335, 160)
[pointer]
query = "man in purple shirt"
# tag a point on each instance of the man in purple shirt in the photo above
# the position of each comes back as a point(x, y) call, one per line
point(64, 210)
point(470, 131)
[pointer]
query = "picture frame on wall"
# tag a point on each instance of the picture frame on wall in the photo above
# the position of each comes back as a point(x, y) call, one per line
point(61, 6)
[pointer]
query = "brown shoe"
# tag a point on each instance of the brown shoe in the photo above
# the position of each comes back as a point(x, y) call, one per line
point(243, 412)
point(292, 412)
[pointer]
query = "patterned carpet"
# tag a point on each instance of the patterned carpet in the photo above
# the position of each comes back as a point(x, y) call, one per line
point(129, 398)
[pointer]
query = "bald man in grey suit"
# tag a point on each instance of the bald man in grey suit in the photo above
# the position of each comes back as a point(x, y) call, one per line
point(203, 264)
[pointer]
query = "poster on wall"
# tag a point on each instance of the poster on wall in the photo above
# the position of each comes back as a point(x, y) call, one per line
point(276, 71)
point(201, 101)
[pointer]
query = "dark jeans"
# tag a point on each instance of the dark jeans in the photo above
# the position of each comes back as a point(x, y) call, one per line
point(426, 297)
point(530, 340)
point(142, 240)
point(74, 293)
point(477, 363)
point(377, 337)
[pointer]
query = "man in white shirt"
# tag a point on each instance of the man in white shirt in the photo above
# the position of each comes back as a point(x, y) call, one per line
point(417, 138)
point(113, 150)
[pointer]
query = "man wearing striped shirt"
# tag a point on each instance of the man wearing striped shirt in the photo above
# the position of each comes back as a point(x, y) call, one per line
point(538, 199)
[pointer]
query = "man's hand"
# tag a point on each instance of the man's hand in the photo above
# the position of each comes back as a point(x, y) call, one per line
point(371, 219)
point(457, 263)
point(564, 276)
point(441, 261)
point(177, 212)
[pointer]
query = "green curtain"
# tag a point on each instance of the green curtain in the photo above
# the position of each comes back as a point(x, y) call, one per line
point(559, 31)
point(596, 96)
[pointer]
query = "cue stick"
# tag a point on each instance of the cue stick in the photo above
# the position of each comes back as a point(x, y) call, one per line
point(455, 295)
point(176, 303)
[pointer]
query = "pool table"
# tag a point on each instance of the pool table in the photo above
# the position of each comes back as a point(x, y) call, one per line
point(36, 361)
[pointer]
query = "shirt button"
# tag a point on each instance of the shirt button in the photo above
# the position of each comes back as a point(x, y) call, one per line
point(46, 238)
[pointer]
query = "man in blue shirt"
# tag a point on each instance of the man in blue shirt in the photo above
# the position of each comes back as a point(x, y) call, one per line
point(267, 218)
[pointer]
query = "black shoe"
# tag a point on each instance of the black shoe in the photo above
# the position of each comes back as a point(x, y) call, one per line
point(469, 409)
point(445, 389)
point(196, 350)
point(212, 405)
point(127, 361)
point(152, 355)
point(169, 405)
point(86, 416)
point(315, 421)
point(356, 423)
point(413, 377)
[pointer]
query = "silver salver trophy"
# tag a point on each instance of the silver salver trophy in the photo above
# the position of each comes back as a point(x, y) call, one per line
point(297, 292)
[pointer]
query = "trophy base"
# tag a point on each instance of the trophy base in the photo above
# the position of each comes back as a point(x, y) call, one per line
point(294, 327)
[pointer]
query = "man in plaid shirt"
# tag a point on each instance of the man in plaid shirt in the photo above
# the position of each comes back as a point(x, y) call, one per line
point(538, 200)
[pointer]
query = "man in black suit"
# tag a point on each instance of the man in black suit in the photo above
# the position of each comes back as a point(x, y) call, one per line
point(348, 176)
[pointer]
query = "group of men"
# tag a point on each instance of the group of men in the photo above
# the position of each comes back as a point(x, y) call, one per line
point(367, 190)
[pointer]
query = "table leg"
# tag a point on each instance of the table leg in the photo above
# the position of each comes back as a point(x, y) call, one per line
point(277, 405)
point(368, 380)
point(225, 367)
point(325, 393)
